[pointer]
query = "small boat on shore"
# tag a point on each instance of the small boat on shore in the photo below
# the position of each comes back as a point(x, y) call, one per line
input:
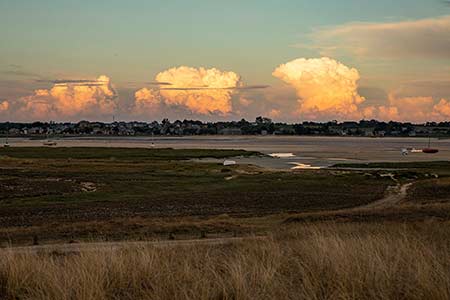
point(282, 155)
point(6, 144)
point(49, 143)
point(428, 149)
point(229, 162)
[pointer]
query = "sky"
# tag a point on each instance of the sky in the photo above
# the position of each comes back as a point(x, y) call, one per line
point(291, 60)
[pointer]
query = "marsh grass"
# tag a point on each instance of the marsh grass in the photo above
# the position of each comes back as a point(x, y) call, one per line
point(327, 261)
point(121, 154)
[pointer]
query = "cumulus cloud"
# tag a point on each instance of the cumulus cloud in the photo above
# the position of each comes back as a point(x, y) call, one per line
point(410, 109)
point(325, 87)
point(146, 100)
point(198, 90)
point(147, 95)
point(442, 108)
point(68, 101)
point(244, 101)
point(407, 108)
point(4, 105)
point(38, 106)
point(424, 38)
point(274, 113)
point(94, 98)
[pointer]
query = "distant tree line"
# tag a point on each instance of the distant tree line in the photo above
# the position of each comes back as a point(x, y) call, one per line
point(260, 126)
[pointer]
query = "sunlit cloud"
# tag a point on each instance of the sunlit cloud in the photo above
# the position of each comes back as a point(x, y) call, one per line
point(411, 109)
point(325, 88)
point(88, 97)
point(146, 101)
point(209, 101)
point(274, 113)
point(4, 105)
point(407, 108)
point(68, 100)
point(198, 90)
point(442, 108)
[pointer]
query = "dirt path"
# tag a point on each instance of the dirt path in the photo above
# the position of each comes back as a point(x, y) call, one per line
point(394, 196)
point(115, 246)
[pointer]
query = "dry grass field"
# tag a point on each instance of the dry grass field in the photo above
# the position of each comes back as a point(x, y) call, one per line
point(321, 261)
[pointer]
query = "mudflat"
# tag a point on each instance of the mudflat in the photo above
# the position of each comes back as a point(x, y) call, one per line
point(315, 151)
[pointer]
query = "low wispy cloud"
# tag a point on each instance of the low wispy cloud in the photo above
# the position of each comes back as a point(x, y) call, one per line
point(72, 81)
point(19, 73)
point(13, 70)
point(424, 38)
point(248, 87)
point(153, 83)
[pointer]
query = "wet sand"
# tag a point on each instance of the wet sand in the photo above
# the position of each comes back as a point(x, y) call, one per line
point(306, 150)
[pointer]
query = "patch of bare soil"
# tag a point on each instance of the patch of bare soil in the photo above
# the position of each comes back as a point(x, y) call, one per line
point(33, 187)
point(88, 186)
point(394, 196)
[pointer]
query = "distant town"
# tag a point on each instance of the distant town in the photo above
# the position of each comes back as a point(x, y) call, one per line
point(261, 126)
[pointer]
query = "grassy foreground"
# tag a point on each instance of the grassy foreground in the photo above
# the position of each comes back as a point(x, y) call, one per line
point(318, 235)
point(325, 261)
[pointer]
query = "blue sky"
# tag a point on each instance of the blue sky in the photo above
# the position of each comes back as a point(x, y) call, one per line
point(135, 40)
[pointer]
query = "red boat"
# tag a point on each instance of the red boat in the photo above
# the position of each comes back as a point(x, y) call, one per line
point(430, 150)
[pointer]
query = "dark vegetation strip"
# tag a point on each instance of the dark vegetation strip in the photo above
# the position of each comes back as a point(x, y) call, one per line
point(398, 165)
point(119, 153)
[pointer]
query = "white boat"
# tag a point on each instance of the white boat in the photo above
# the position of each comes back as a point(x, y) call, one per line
point(229, 162)
point(6, 144)
point(152, 145)
point(303, 166)
point(282, 155)
point(49, 143)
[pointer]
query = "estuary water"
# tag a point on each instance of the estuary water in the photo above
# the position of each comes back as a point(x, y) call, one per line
point(286, 151)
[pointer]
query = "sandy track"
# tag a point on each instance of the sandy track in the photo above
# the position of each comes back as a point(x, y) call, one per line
point(394, 196)
point(115, 246)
